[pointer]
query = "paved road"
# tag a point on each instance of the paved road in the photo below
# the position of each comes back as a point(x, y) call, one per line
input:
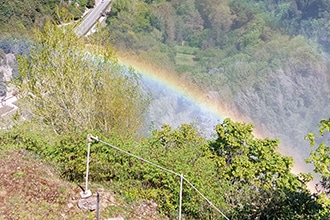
point(88, 22)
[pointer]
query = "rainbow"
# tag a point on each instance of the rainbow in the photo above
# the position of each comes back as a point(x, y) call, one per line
point(189, 91)
point(185, 88)
point(181, 86)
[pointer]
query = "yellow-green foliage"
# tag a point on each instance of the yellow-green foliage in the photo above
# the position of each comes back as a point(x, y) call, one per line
point(72, 86)
point(320, 156)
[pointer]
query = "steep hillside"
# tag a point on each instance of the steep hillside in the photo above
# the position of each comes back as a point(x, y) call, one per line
point(232, 51)
point(263, 61)
point(260, 61)
point(17, 18)
point(32, 189)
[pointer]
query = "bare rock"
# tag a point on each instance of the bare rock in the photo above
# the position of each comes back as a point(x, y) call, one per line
point(88, 203)
point(147, 208)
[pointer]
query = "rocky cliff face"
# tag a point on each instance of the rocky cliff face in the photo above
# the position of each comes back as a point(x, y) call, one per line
point(289, 105)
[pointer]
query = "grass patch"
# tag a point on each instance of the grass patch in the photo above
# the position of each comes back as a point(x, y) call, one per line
point(186, 49)
point(185, 59)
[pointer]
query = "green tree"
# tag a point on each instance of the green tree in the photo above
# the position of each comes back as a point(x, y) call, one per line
point(320, 157)
point(261, 183)
point(165, 12)
point(131, 25)
point(19, 17)
point(73, 86)
point(217, 17)
point(184, 151)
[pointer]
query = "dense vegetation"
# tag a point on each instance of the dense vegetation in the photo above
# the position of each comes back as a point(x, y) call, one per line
point(216, 29)
point(266, 60)
point(229, 47)
point(72, 86)
point(18, 17)
point(243, 176)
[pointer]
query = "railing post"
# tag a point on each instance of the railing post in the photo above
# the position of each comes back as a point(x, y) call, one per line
point(180, 201)
point(87, 192)
point(97, 206)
